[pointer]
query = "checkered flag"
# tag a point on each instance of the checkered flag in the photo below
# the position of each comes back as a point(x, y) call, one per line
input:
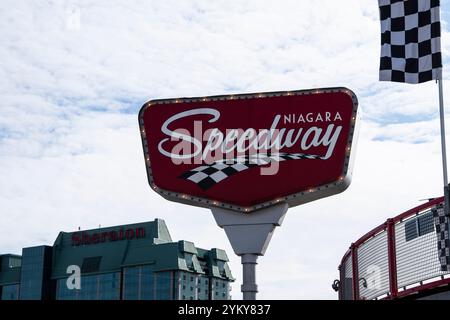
point(442, 232)
point(208, 176)
point(410, 41)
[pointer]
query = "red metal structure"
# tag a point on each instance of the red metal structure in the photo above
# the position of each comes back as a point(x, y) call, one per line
point(397, 259)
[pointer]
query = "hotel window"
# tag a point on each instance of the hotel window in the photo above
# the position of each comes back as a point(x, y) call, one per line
point(108, 286)
point(138, 283)
point(93, 287)
point(32, 273)
point(91, 264)
point(14, 262)
point(164, 285)
point(10, 292)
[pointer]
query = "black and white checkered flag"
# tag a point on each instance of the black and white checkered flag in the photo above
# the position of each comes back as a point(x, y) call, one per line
point(207, 176)
point(441, 223)
point(410, 41)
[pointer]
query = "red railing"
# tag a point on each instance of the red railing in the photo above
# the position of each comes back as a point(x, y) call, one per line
point(396, 259)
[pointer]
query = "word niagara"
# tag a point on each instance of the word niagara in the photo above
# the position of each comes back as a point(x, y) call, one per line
point(305, 136)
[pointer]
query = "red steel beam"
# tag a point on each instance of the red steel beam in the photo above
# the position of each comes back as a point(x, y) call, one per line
point(418, 289)
point(344, 258)
point(342, 283)
point(398, 218)
point(417, 209)
point(392, 258)
point(354, 250)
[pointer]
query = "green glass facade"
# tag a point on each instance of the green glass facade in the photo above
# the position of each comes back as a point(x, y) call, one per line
point(139, 283)
point(94, 287)
point(35, 269)
point(10, 292)
point(132, 262)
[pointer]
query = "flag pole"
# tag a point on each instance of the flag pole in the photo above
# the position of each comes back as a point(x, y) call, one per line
point(443, 145)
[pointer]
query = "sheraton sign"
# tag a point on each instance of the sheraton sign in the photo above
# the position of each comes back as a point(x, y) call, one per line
point(86, 238)
point(251, 151)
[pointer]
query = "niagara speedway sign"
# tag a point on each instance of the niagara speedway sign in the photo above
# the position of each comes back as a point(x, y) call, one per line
point(250, 151)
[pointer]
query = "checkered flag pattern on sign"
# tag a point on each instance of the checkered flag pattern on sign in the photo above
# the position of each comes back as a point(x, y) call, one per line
point(410, 41)
point(441, 222)
point(207, 176)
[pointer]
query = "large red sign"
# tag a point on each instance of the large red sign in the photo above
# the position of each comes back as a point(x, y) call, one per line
point(250, 151)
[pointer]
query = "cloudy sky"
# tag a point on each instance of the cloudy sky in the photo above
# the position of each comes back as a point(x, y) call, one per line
point(73, 75)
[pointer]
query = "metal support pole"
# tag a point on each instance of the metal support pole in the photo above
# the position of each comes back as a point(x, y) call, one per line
point(249, 287)
point(443, 146)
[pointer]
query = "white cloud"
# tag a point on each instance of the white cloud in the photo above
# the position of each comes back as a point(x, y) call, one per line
point(70, 151)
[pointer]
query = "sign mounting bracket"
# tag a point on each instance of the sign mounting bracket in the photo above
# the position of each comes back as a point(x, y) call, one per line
point(249, 236)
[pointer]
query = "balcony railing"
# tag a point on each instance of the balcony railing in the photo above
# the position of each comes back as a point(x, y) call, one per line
point(396, 259)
